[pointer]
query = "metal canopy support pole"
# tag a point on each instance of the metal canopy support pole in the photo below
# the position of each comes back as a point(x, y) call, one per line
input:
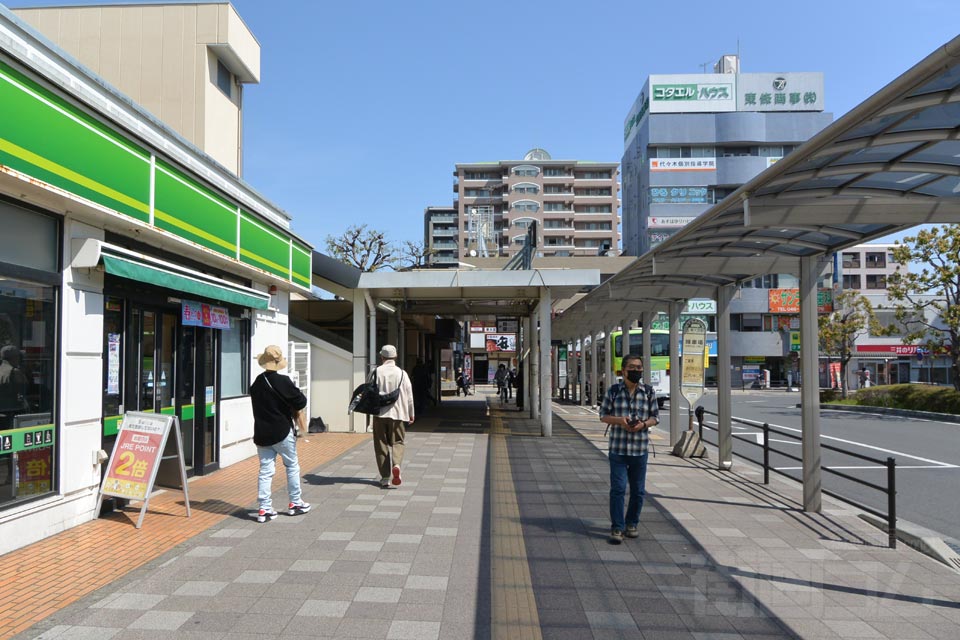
point(401, 341)
point(676, 429)
point(646, 323)
point(724, 379)
point(809, 383)
point(359, 352)
point(546, 377)
point(594, 388)
point(607, 358)
point(582, 370)
point(525, 360)
point(535, 366)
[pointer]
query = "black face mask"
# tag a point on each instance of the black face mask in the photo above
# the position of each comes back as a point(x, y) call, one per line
point(634, 376)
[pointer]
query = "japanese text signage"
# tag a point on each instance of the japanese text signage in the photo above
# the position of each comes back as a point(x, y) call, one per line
point(700, 92)
point(638, 111)
point(780, 92)
point(788, 301)
point(198, 314)
point(692, 359)
point(659, 222)
point(681, 195)
point(136, 455)
point(683, 164)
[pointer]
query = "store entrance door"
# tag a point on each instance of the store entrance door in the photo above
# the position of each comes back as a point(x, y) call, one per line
point(197, 397)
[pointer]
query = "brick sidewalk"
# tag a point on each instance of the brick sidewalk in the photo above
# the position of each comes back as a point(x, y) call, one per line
point(43, 578)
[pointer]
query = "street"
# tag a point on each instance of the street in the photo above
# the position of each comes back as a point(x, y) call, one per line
point(927, 454)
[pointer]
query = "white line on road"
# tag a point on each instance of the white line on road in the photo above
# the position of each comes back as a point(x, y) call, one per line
point(860, 444)
point(557, 407)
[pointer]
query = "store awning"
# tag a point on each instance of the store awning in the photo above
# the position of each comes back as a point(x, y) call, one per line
point(133, 269)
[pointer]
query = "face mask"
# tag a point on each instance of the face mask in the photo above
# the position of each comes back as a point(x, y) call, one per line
point(634, 376)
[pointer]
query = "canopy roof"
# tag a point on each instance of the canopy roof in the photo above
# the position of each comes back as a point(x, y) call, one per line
point(891, 163)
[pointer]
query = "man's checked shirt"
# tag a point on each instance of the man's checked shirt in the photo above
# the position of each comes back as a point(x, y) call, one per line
point(642, 406)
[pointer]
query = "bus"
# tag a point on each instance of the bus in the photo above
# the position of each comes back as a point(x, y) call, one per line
point(659, 358)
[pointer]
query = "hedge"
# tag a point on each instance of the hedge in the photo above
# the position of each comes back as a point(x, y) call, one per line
point(915, 397)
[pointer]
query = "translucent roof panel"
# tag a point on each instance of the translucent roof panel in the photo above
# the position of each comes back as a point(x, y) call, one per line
point(941, 116)
point(880, 153)
point(944, 82)
point(871, 127)
point(948, 187)
point(827, 182)
point(894, 180)
point(947, 152)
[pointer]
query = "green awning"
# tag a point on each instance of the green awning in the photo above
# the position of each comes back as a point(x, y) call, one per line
point(143, 272)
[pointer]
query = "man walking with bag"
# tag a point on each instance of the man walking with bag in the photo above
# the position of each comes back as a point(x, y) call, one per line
point(390, 426)
point(276, 402)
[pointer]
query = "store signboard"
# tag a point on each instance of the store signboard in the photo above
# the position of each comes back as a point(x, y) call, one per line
point(638, 111)
point(895, 349)
point(135, 459)
point(693, 93)
point(788, 300)
point(795, 341)
point(199, 314)
point(661, 165)
point(501, 342)
point(708, 307)
point(508, 325)
point(681, 195)
point(802, 91)
point(660, 222)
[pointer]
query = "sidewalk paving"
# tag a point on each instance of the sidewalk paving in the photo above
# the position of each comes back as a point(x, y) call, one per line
point(495, 532)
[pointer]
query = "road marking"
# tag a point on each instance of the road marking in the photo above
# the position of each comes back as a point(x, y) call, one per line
point(557, 407)
point(946, 465)
point(899, 467)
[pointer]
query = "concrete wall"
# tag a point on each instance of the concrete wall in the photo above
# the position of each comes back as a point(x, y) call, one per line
point(331, 370)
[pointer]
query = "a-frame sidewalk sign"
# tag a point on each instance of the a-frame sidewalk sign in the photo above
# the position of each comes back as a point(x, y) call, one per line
point(136, 457)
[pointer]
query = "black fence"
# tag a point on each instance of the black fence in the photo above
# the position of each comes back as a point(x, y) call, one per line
point(890, 463)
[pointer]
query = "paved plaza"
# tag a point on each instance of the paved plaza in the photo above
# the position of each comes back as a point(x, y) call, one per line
point(495, 532)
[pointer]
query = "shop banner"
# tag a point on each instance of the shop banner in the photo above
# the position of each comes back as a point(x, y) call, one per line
point(683, 164)
point(198, 314)
point(136, 455)
point(501, 341)
point(659, 222)
point(788, 301)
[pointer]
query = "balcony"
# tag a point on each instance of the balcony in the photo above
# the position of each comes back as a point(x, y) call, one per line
point(444, 233)
point(444, 245)
point(561, 230)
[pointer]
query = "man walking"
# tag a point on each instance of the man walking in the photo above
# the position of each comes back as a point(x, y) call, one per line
point(276, 401)
point(390, 427)
point(630, 409)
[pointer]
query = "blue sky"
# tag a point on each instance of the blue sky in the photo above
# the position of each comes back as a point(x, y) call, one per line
point(364, 107)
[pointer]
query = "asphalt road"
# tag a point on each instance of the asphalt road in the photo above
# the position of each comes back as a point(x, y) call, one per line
point(927, 454)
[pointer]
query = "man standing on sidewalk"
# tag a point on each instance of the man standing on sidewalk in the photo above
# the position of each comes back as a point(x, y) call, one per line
point(390, 427)
point(276, 401)
point(630, 409)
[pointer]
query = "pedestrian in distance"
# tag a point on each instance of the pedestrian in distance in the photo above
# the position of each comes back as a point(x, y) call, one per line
point(511, 382)
point(276, 400)
point(500, 378)
point(630, 409)
point(461, 382)
point(390, 427)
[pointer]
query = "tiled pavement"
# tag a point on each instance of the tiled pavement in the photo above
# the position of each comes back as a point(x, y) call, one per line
point(498, 533)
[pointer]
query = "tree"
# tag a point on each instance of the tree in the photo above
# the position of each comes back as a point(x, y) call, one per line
point(366, 249)
point(927, 303)
point(413, 255)
point(852, 317)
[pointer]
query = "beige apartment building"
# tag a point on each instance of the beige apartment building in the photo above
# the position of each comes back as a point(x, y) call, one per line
point(184, 63)
point(574, 203)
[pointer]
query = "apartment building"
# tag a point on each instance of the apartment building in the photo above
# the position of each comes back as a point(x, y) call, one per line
point(692, 139)
point(440, 236)
point(575, 205)
point(866, 267)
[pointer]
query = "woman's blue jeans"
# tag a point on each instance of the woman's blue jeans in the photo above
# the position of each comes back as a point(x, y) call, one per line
point(287, 448)
point(624, 469)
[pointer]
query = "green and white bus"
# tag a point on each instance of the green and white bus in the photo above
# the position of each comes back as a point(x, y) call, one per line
point(659, 358)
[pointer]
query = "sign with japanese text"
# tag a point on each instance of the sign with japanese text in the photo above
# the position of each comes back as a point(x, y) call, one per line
point(708, 307)
point(638, 111)
point(788, 300)
point(660, 222)
point(795, 341)
point(895, 349)
point(501, 342)
point(692, 359)
point(701, 92)
point(801, 91)
point(199, 314)
point(683, 164)
point(681, 195)
point(508, 325)
point(136, 455)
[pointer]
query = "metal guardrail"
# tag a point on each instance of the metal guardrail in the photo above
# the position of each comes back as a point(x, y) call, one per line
point(890, 463)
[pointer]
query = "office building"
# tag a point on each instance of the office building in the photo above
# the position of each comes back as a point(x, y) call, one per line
point(574, 203)
point(692, 139)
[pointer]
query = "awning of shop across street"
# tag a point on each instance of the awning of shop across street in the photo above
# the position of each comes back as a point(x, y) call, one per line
point(221, 290)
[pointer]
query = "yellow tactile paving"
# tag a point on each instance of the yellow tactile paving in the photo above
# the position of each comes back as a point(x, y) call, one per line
point(514, 612)
point(40, 579)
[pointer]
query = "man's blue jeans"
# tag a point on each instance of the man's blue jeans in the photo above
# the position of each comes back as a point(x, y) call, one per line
point(287, 448)
point(624, 469)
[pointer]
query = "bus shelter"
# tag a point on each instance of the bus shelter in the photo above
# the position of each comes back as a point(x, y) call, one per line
point(891, 163)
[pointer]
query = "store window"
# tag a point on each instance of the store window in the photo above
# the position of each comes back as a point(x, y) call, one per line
point(29, 300)
point(234, 363)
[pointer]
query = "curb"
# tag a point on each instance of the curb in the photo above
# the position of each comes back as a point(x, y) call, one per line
point(906, 413)
point(923, 540)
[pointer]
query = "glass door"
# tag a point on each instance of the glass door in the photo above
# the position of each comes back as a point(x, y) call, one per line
point(197, 398)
